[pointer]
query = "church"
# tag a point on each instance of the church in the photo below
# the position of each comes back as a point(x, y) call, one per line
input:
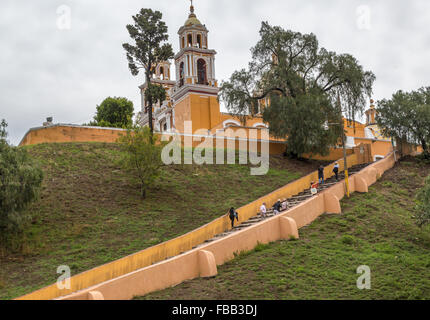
point(192, 98)
point(194, 94)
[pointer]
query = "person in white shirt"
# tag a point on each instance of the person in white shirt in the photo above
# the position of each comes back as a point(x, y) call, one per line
point(263, 210)
point(284, 204)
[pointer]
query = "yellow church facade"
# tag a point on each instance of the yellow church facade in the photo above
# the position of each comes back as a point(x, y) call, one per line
point(192, 98)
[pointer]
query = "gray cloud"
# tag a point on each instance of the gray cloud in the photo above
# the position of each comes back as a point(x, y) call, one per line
point(45, 71)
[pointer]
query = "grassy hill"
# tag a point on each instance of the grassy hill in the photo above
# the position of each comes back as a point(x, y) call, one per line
point(376, 229)
point(91, 212)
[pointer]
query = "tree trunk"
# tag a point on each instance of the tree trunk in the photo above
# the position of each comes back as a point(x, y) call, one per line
point(424, 146)
point(148, 82)
point(143, 190)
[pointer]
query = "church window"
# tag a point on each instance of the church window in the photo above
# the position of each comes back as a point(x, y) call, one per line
point(190, 40)
point(162, 73)
point(199, 40)
point(181, 74)
point(183, 42)
point(201, 71)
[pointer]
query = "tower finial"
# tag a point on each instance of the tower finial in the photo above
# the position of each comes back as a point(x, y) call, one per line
point(192, 15)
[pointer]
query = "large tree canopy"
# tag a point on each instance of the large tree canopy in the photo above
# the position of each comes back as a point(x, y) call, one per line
point(406, 116)
point(149, 33)
point(114, 112)
point(304, 83)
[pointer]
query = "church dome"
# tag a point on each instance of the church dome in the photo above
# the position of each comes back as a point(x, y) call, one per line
point(192, 19)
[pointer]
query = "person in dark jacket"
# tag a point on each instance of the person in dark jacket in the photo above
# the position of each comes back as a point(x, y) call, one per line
point(277, 207)
point(336, 170)
point(233, 214)
point(321, 174)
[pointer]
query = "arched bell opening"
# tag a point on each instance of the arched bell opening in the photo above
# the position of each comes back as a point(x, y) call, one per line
point(201, 72)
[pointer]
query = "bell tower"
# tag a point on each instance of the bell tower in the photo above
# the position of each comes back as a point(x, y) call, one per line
point(196, 91)
point(162, 113)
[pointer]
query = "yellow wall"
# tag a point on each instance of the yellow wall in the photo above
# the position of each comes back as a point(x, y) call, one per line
point(202, 110)
point(334, 155)
point(358, 132)
point(68, 133)
point(378, 147)
point(182, 113)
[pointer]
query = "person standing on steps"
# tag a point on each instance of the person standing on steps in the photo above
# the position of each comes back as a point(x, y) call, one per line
point(321, 174)
point(277, 207)
point(233, 215)
point(336, 170)
point(314, 188)
point(284, 204)
point(263, 210)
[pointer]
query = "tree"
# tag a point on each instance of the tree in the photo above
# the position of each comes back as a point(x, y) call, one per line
point(20, 181)
point(114, 112)
point(142, 155)
point(148, 32)
point(303, 83)
point(423, 205)
point(154, 94)
point(406, 117)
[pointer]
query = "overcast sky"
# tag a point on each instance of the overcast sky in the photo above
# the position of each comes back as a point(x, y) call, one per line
point(47, 69)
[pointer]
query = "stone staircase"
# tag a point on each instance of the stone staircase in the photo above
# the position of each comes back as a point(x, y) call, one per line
point(292, 202)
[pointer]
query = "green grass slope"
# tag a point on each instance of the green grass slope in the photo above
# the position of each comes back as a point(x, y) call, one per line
point(91, 212)
point(376, 229)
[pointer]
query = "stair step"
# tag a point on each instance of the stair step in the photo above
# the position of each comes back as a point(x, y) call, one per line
point(247, 224)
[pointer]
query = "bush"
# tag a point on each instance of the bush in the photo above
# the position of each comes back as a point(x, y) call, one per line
point(142, 154)
point(20, 181)
point(348, 239)
point(261, 247)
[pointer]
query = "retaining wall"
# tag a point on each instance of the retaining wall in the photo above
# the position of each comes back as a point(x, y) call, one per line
point(63, 133)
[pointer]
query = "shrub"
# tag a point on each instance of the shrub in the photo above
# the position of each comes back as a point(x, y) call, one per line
point(142, 154)
point(20, 181)
point(347, 239)
point(261, 247)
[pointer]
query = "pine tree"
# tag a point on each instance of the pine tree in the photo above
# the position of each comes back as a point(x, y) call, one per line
point(148, 32)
